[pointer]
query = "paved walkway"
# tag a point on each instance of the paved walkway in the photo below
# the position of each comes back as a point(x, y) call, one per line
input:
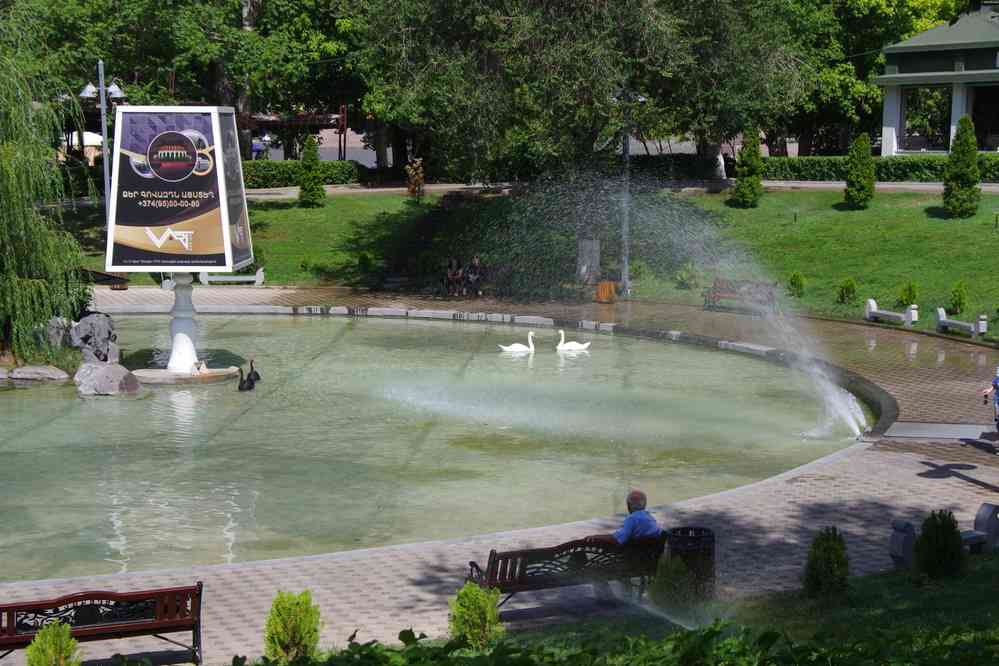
point(763, 529)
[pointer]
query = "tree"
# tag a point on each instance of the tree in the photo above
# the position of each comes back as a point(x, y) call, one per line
point(859, 173)
point(311, 192)
point(40, 264)
point(749, 171)
point(961, 176)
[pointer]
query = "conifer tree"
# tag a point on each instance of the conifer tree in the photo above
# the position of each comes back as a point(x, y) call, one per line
point(311, 193)
point(859, 173)
point(961, 176)
point(749, 171)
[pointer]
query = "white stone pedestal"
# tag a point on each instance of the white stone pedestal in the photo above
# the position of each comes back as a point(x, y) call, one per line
point(183, 329)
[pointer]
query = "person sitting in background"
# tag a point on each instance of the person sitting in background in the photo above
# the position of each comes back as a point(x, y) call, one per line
point(639, 523)
point(474, 274)
point(455, 277)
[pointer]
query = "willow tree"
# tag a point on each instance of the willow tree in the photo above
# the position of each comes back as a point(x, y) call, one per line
point(40, 263)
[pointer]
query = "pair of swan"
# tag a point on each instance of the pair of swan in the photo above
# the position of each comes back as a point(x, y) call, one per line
point(561, 346)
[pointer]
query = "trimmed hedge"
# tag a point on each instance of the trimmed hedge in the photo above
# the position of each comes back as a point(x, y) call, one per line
point(287, 173)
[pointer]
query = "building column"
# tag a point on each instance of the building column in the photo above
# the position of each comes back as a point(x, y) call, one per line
point(891, 121)
point(958, 107)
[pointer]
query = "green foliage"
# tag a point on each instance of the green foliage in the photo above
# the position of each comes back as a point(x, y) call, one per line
point(938, 549)
point(828, 566)
point(39, 263)
point(907, 295)
point(474, 616)
point(54, 645)
point(846, 291)
point(310, 181)
point(674, 586)
point(749, 171)
point(958, 298)
point(796, 284)
point(415, 178)
point(687, 277)
point(962, 177)
point(859, 173)
point(291, 635)
point(286, 173)
point(898, 168)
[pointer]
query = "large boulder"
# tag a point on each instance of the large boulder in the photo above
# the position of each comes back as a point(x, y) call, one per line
point(3, 374)
point(105, 379)
point(94, 336)
point(39, 373)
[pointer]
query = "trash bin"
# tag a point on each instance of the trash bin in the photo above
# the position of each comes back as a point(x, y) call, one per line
point(696, 547)
point(606, 292)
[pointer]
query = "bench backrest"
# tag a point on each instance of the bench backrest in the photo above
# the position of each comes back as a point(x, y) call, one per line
point(762, 291)
point(574, 561)
point(103, 613)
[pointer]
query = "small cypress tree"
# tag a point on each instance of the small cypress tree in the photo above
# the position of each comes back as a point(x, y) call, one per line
point(859, 173)
point(961, 176)
point(749, 171)
point(311, 193)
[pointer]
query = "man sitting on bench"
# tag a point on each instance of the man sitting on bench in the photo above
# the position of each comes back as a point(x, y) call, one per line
point(637, 525)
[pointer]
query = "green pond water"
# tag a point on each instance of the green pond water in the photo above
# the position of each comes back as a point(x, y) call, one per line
point(373, 432)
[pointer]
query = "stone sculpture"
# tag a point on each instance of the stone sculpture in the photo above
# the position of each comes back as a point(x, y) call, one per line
point(94, 335)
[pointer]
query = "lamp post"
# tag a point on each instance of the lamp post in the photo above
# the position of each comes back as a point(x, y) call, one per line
point(103, 94)
point(626, 200)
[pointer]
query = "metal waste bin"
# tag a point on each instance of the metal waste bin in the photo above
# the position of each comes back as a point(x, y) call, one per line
point(696, 547)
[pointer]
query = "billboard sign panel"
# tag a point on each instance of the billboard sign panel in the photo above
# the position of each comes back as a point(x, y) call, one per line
point(177, 197)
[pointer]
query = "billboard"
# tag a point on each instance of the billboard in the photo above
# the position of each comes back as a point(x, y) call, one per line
point(177, 197)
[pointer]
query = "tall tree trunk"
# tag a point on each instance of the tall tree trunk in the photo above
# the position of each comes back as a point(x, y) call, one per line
point(250, 9)
point(381, 147)
point(806, 142)
point(400, 151)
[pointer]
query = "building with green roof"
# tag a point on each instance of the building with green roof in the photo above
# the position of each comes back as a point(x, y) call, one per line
point(937, 76)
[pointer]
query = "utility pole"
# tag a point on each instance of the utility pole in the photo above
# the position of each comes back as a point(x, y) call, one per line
point(626, 198)
point(102, 92)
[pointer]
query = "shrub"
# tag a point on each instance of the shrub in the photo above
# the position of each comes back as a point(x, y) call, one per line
point(961, 177)
point(474, 616)
point(938, 548)
point(54, 645)
point(859, 173)
point(828, 566)
point(415, 179)
point(846, 292)
point(749, 171)
point(958, 299)
point(311, 193)
point(686, 276)
point(292, 631)
point(674, 585)
point(285, 173)
point(796, 284)
point(908, 295)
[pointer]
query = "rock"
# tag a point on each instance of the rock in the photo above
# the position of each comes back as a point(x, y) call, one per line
point(39, 373)
point(94, 335)
point(105, 379)
point(57, 332)
point(3, 374)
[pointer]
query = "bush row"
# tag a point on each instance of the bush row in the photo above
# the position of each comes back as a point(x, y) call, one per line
point(256, 173)
point(914, 168)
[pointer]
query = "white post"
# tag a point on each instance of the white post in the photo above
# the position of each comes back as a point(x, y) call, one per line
point(958, 107)
point(183, 330)
point(891, 121)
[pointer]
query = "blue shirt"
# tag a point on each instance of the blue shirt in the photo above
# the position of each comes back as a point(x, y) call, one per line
point(637, 525)
point(995, 390)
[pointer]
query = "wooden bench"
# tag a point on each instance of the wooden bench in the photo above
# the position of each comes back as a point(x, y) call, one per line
point(208, 278)
point(577, 562)
point(972, 328)
point(102, 615)
point(756, 294)
point(907, 318)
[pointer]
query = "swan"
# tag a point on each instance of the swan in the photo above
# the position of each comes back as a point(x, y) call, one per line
point(254, 375)
point(245, 384)
point(517, 347)
point(570, 346)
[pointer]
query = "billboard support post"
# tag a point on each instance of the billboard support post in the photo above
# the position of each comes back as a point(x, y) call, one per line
point(183, 330)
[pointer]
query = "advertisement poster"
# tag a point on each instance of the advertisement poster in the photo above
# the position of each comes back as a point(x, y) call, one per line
point(239, 223)
point(170, 209)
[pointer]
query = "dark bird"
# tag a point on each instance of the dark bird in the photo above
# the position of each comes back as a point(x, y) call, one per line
point(245, 384)
point(254, 375)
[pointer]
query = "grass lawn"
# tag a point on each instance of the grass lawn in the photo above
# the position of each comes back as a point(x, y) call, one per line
point(901, 237)
point(300, 246)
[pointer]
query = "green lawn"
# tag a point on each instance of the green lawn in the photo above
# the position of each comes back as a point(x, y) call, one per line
point(901, 237)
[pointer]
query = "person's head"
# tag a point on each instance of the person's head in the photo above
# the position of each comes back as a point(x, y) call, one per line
point(452, 263)
point(476, 260)
point(636, 501)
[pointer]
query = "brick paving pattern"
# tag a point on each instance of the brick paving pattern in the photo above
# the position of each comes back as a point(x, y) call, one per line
point(762, 529)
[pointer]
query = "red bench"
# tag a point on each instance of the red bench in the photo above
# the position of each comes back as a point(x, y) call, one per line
point(572, 563)
point(98, 616)
point(759, 294)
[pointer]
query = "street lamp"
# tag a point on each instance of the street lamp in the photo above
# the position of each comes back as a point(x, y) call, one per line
point(103, 94)
point(626, 195)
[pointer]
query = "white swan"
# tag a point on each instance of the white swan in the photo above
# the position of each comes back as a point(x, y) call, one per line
point(570, 346)
point(517, 347)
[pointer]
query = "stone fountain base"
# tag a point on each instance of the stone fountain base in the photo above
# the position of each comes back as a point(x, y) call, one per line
point(162, 376)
